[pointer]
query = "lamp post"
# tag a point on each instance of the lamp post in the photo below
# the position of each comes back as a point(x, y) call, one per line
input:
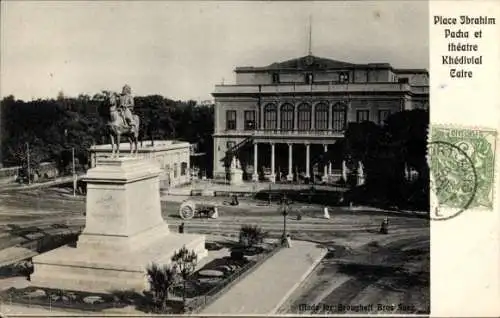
point(73, 170)
point(284, 209)
point(28, 162)
point(73, 166)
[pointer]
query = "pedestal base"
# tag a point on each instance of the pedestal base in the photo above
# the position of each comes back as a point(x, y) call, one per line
point(93, 269)
point(289, 177)
point(236, 176)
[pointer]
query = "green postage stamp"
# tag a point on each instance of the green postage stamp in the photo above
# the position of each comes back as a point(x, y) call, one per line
point(462, 167)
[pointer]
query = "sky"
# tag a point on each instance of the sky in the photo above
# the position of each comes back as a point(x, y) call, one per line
point(182, 49)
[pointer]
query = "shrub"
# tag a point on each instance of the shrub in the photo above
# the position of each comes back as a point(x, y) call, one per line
point(251, 235)
point(161, 280)
point(185, 263)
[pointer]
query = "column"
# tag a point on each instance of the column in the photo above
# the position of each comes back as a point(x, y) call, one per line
point(308, 175)
point(325, 167)
point(289, 177)
point(330, 168)
point(255, 176)
point(273, 173)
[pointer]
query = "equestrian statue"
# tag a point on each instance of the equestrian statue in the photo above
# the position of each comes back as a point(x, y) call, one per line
point(123, 121)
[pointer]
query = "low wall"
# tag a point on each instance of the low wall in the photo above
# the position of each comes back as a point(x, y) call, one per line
point(47, 170)
point(8, 175)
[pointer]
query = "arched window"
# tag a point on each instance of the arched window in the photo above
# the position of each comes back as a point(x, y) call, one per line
point(304, 119)
point(321, 116)
point(339, 117)
point(286, 117)
point(270, 116)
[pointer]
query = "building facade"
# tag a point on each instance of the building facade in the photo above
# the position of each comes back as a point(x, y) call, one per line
point(279, 119)
point(172, 156)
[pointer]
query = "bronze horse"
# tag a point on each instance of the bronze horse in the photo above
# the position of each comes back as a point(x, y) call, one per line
point(118, 126)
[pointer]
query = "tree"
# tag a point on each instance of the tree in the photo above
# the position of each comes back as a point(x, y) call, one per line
point(386, 150)
point(84, 118)
point(161, 279)
point(185, 262)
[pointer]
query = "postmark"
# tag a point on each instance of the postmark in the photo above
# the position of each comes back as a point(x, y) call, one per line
point(461, 164)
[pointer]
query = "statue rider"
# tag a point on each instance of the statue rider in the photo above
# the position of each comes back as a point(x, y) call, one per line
point(127, 104)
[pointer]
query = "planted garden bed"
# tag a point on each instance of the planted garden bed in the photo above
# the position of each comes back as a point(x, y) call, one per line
point(203, 287)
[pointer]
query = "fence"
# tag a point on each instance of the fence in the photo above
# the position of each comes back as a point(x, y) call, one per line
point(196, 305)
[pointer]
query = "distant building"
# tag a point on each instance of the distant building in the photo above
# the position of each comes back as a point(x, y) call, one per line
point(172, 156)
point(279, 119)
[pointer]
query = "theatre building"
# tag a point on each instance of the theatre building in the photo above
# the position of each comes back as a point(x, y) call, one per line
point(280, 119)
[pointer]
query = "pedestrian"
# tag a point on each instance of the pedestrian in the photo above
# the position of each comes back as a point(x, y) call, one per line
point(181, 228)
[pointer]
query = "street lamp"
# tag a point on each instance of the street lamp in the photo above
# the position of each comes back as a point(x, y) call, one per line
point(28, 162)
point(73, 167)
point(284, 210)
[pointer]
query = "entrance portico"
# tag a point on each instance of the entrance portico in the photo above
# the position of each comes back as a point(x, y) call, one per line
point(294, 147)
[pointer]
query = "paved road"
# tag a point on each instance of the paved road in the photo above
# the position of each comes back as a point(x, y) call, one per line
point(347, 232)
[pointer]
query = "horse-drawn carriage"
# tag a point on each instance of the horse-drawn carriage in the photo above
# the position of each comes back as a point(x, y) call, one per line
point(190, 209)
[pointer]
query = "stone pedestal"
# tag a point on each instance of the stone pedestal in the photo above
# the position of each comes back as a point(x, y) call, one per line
point(236, 176)
point(124, 233)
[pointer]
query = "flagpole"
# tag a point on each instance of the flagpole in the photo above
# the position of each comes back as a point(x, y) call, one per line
point(310, 35)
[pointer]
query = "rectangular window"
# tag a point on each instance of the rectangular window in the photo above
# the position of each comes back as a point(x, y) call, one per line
point(183, 168)
point(230, 119)
point(362, 115)
point(344, 77)
point(249, 119)
point(382, 115)
point(276, 78)
point(309, 78)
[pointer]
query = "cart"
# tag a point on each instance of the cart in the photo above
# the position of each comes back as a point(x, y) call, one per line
point(190, 209)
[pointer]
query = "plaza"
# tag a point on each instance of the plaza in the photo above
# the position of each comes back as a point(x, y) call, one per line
point(347, 237)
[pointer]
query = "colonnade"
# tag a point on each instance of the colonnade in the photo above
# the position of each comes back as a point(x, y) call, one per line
point(327, 169)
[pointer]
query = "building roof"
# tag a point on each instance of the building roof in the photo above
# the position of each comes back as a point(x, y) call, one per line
point(311, 62)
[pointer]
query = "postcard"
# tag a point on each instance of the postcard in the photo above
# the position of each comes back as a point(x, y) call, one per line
point(208, 158)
